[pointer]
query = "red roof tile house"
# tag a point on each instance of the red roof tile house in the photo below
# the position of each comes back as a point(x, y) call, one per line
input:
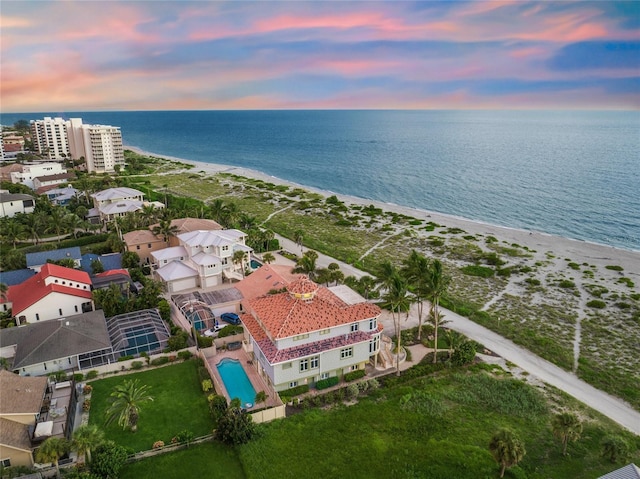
point(310, 332)
point(53, 293)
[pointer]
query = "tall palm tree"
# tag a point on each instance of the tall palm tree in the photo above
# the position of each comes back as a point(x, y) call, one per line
point(366, 284)
point(416, 270)
point(267, 236)
point(230, 214)
point(239, 258)
point(85, 438)
point(438, 284)
point(386, 272)
point(35, 225)
point(306, 264)
point(216, 209)
point(397, 300)
point(52, 450)
point(12, 232)
point(126, 401)
point(246, 221)
point(566, 427)
point(148, 214)
point(165, 229)
point(56, 223)
point(506, 449)
point(298, 236)
point(268, 258)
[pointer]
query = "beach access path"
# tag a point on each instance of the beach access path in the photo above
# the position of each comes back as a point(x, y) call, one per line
point(547, 372)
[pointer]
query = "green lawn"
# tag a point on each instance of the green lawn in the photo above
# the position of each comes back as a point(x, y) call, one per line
point(178, 404)
point(433, 427)
point(210, 459)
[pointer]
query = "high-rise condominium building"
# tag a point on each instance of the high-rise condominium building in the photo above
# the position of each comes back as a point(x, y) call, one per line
point(49, 137)
point(100, 145)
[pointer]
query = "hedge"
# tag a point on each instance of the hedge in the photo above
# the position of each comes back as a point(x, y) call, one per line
point(296, 391)
point(160, 361)
point(353, 375)
point(327, 383)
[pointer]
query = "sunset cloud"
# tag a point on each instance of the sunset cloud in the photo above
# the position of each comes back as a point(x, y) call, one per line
point(78, 55)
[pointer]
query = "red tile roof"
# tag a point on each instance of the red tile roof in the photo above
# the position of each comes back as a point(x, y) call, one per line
point(112, 271)
point(266, 278)
point(275, 355)
point(284, 315)
point(32, 290)
point(71, 274)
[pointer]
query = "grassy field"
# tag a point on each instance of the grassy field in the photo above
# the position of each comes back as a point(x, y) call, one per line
point(425, 427)
point(178, 405)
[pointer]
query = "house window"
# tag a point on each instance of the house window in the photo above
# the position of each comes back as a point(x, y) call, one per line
point(324, 331)
point(354, 327)
point(304, 364)
point(286, 366)
point(45, 366)
point(293, 384)
point(324, 375)
point(148, 245)
point(354, 367)
point(60, 311)
point(137, 246)
point(314, 361)
point(5, 462)
point(373, 323)
point(300, 336)
point(37, 317)
point(346, 353)
point(374, 344)
point(76, 306)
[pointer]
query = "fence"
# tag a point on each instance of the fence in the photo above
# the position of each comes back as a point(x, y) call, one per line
point(126, 365)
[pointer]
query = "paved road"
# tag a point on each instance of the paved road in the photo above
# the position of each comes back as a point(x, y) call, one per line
point(608, 405)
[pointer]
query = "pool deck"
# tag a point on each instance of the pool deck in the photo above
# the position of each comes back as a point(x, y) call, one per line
point(257, 382)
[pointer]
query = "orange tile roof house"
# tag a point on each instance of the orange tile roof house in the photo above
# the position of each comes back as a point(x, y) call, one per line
point(53, 293)
point(310, 332)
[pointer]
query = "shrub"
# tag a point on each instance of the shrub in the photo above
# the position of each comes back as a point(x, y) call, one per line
point(158, 444)
point(92, 374)
point(230, 331)
point(184, 355)
point(86, 405)
point(78, 377)
point(295, 391)
point(565, 283)
point(353, 375)
point(353, 390)
point(532, 281)
point(597, 304)
point(207, 385)
point(464, 354)
point(185, 436)
point(205, 341)
point(203, 373)
point(327, 383)
point(160, 361)
point(217, 406)
point(136, 365)
point(476, 270)
point(87, 389)
point(125, 358)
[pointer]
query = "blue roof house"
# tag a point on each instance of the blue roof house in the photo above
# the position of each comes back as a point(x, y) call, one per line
point(35, 261)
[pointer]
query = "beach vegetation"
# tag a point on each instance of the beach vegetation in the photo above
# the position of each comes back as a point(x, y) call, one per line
point(506, 448)
point(477, 270)
point(597, 304)
point(573, 265)
point(614, 267)
point(566, 283)
point(626, 281)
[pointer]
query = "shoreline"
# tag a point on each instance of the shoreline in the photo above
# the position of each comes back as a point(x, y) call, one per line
point(542, 242)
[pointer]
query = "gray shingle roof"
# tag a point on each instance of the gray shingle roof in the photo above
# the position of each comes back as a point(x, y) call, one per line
point(36, 259)
point(630, 471)
point(55, 339)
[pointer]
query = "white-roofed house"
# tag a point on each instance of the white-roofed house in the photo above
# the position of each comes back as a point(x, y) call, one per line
point(209, 254)
point(114, 202)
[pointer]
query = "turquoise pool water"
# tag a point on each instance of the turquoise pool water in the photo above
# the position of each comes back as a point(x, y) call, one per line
point(236, 381)
point(255, 264)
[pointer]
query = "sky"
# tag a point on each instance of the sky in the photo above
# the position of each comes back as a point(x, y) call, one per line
point(177, 55)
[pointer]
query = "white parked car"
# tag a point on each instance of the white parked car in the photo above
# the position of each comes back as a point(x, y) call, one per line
point(214, 331)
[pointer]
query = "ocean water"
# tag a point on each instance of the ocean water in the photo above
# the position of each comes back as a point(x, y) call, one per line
point(569, 173)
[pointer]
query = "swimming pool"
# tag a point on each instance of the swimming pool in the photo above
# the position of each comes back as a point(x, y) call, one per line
point(236, 381)
point(255, 264)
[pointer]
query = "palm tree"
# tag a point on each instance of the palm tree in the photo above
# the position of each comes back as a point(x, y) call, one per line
point(148, 214)
point(166, 230)
point(614, 448)
point(246, 221)
point(416, 271)
point(566, 427)
point(85, 438)
point(306, 264)
point(126, 401)
point(268, 258)
point(438, 284)
point(386, 273)
point(397, 300)
point(298, 236)
point(454, 340)
point(267, 236)
point(239, 258)
point(366, 284)
point(12, 232)
point(3, 291)
point(34, 226)
point(216, 209)
point(229, 214)
point(52, 450)
point(506, 449)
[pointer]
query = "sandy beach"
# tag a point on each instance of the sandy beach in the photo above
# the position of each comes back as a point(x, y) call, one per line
point(578, 251)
